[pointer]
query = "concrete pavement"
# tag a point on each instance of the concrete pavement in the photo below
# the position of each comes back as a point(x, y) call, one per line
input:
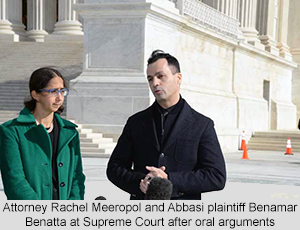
point(267, 174)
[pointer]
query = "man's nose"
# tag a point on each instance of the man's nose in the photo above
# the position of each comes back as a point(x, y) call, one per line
point(156, 81)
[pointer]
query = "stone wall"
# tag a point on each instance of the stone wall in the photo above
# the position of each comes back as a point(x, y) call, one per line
point(239, 86)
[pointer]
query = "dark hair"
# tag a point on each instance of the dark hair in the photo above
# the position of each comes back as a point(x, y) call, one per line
point(159, 54)
point(39, 79)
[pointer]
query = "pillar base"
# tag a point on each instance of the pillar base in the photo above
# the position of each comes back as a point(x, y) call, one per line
point(19, 30)
point(270, 45)
point(37, 35)
point(68, 28)
point(101, 97)
point(5, 27)
point(284, 51)
point(286, 55)
point(251, 37)
point(257, 44)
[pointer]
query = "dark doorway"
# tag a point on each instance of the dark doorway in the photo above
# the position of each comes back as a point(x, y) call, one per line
point(25, 12)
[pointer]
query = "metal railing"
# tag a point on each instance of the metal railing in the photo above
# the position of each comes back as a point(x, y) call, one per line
point(208, 16)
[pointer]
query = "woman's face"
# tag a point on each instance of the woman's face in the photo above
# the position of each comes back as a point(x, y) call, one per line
point(51, 102)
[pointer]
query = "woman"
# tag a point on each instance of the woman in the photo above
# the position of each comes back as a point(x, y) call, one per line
point(39, 151)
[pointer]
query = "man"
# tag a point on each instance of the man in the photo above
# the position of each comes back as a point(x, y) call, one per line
point(168, 140)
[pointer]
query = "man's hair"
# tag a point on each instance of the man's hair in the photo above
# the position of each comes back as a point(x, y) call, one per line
point(159, 54)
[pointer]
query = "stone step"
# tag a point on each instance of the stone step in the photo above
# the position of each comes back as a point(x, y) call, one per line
point(96, 140)
point(271, 148)
point(24, 45)
point(95, 155)
point(12, 107)
point(7, 115)
point(277, 134)
point(85, 131)
point(15, 97)
point(18, 87)
point(98, 145)
point(79, 126)
point(10, 95)
point(9, 111)
point(36, 50)
point(95, 150)
point(72, 54)
point(13, 90)
point(275, 145)
point(273, 141)
point(90, 135)
point(10, 102)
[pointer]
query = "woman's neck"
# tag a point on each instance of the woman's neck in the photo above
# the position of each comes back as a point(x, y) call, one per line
point(43, 118)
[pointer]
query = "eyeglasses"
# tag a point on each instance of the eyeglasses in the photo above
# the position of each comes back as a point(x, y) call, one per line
point(54, 92)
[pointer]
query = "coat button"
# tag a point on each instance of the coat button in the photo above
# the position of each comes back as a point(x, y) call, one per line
point(60, 164)
point(62, 184)
point(162, 155)
point(181, 194)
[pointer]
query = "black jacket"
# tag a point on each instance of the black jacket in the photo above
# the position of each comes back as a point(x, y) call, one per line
point(192, 155)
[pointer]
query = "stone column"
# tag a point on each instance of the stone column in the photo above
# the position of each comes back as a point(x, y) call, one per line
point(266, 25)
point(228, 7)
point(284, 49)
point(36, 20)
point(50, 15)
point(68, 23)
point(14, 14)
point(247, 18)
point(5, 25)
point(114, 67)
point(212, 3)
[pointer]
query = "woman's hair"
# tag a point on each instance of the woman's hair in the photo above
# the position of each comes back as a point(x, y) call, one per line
point(39, 79)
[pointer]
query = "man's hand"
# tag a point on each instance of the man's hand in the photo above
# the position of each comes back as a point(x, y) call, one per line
point(157, 172)
point(153, 172)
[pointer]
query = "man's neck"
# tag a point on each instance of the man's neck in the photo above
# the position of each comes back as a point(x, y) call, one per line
point(167, 104)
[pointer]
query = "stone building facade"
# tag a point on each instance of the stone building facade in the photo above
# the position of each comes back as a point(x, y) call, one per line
point(238, 57)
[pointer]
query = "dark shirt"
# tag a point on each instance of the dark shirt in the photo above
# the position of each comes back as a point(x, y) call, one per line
point(165, 120)
point(54, 141)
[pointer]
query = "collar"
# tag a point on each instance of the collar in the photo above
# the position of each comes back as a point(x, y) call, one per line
point(171, 110)
point(26, 116)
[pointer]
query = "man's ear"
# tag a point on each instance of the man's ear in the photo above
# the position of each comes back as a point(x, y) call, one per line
point(35, 95)
point(179, 77)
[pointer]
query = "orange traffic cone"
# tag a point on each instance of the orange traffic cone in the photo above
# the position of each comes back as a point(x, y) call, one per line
point(245, 153)
point(289, 147)
point(243, 144)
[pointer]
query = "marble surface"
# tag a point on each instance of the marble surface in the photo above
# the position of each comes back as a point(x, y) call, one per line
point(223, 78)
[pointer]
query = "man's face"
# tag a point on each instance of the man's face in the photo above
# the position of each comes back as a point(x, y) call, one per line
point(163, 83)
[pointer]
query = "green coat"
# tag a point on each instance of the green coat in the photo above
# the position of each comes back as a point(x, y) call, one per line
point(26, 156)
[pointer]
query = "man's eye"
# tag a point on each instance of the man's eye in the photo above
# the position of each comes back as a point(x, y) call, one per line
point(150, 79)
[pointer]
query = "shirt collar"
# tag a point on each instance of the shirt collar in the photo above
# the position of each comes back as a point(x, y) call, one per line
point(171, 110)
